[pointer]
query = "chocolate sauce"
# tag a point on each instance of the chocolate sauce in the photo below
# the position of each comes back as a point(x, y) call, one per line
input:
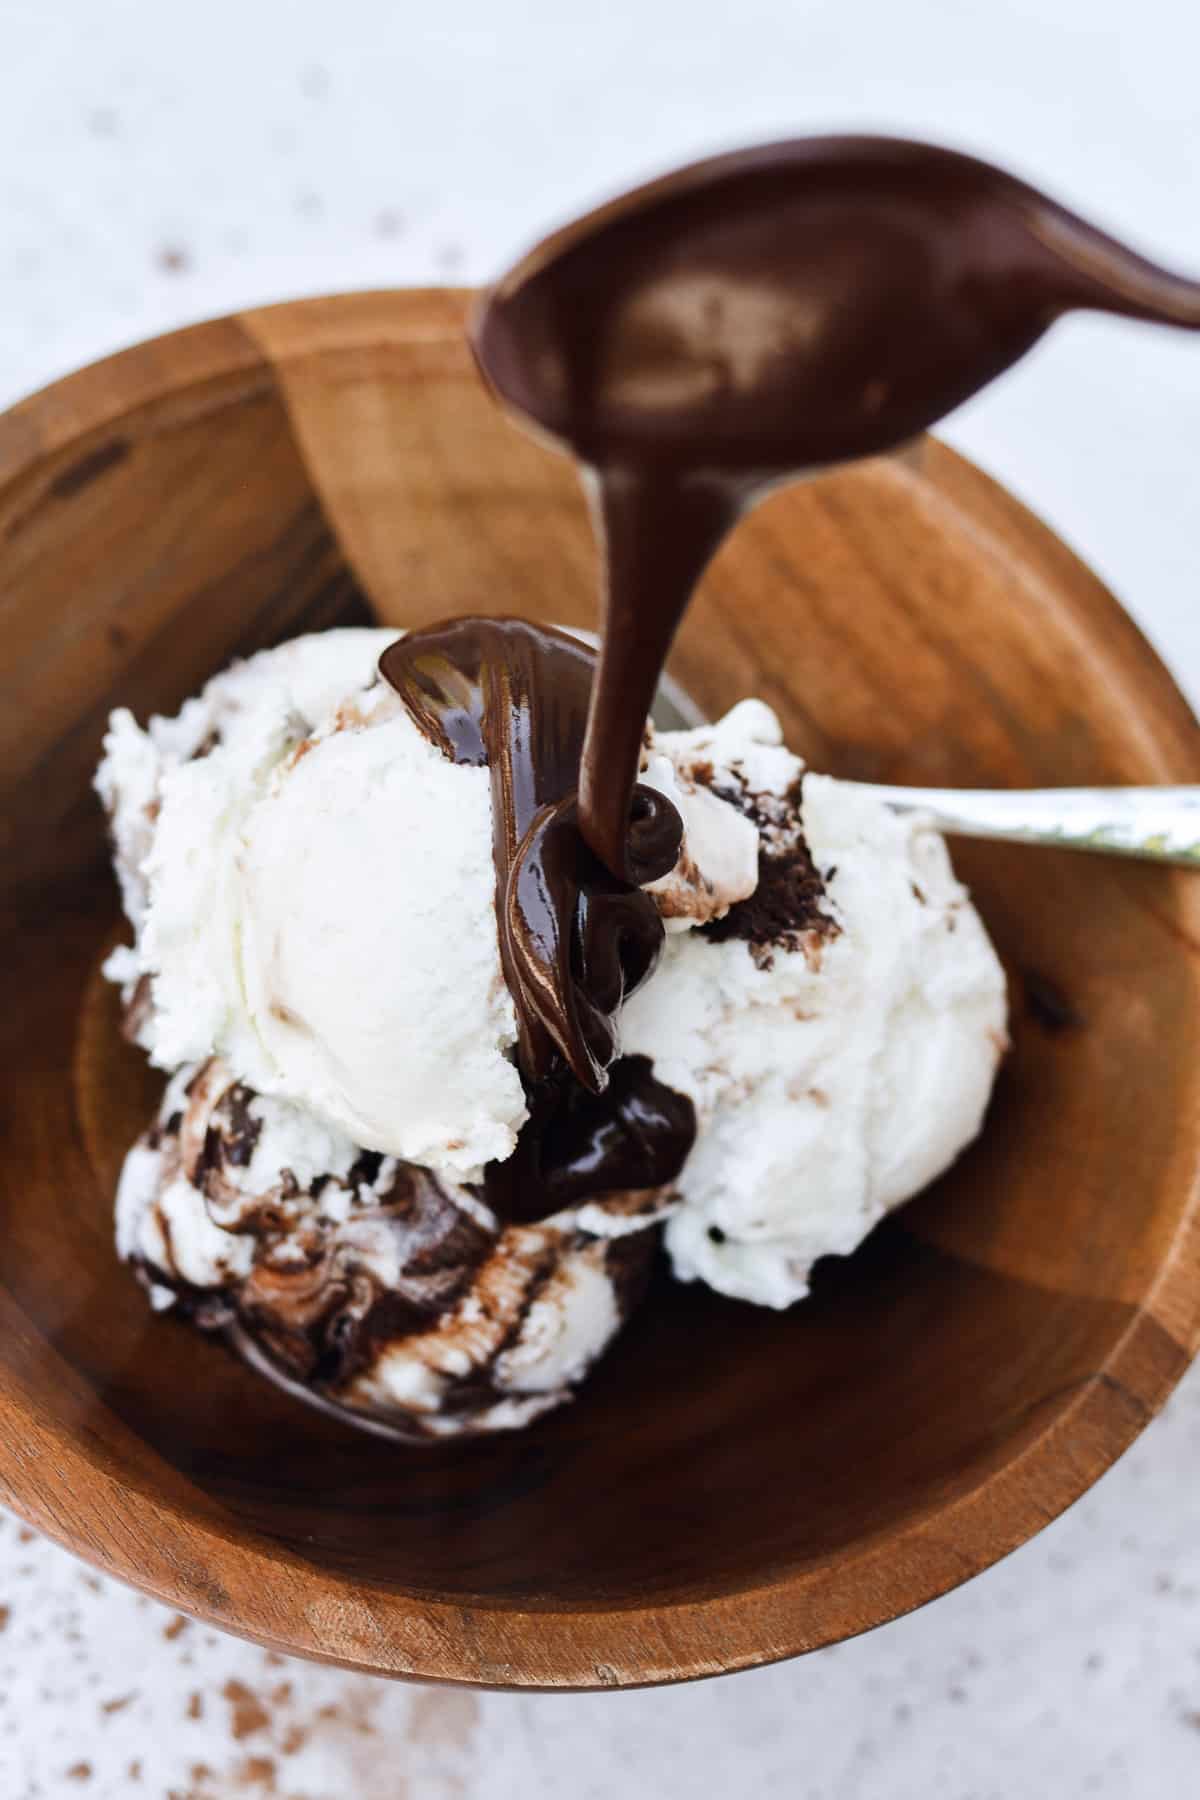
point(577, 1146)
point(755, 317)
point(574, 939)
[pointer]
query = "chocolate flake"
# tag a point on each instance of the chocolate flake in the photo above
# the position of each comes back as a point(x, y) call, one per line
point(785, 909)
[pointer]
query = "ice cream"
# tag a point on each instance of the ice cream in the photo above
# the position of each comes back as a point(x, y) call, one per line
point(395, 1160)
point(334, 1178)
point(311, 885)
point(838, 1031)
point(362, 1281)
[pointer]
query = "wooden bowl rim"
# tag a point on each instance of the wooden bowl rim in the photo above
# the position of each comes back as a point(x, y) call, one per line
point(380, 1631)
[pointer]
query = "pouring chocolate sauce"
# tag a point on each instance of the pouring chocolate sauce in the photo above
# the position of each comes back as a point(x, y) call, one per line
point(735, 325)
point(575, 939)
point(759, 316)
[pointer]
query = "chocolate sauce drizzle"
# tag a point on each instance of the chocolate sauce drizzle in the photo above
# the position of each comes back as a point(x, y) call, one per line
point(578, 1146)
point(575, 940)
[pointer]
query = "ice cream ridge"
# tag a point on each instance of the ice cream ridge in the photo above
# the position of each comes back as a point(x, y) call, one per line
point(440, 1081)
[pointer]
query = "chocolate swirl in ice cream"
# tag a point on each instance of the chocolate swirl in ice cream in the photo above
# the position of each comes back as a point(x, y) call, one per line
point(370, 1286)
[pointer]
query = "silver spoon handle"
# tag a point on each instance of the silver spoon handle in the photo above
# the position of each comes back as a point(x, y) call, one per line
point(1159, 824)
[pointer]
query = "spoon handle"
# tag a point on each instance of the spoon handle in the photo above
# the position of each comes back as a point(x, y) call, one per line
point(1158, 824)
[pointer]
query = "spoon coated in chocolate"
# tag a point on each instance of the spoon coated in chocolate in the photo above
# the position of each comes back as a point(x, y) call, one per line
point(760, 315)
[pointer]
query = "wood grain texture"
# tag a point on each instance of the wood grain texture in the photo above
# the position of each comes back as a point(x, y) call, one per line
point(734, 1486)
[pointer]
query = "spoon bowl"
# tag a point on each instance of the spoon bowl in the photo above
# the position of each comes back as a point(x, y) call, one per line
point(734, 1485)
point(797, 304)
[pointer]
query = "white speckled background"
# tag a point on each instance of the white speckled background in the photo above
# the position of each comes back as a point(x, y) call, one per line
point(159, 164)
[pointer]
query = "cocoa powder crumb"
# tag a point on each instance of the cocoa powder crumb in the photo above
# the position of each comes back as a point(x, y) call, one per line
point(249, 1713)
point(256, 1769)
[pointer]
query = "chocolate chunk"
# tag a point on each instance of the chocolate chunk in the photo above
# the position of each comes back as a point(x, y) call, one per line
point(785, 908)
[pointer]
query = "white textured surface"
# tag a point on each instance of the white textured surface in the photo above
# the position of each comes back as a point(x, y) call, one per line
point(159, 164)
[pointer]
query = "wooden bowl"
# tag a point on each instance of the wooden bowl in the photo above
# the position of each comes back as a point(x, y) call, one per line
point(734, 1485)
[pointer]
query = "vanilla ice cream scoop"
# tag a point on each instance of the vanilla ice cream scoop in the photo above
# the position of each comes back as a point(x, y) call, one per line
point(312, 890)
point(838, 1031)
